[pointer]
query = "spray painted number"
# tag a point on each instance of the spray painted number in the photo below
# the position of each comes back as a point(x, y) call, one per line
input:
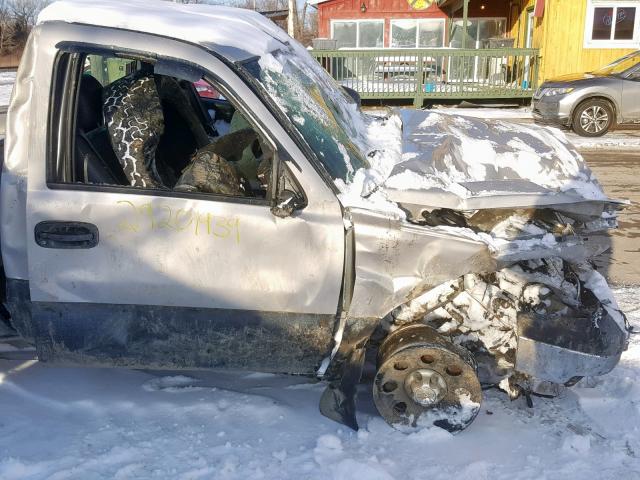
point(148, 217)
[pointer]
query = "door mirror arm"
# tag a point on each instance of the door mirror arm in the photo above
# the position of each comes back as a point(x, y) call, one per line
point(288, 196)
point(285, 204)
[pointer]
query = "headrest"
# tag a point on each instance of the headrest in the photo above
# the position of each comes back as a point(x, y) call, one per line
point(89, 115)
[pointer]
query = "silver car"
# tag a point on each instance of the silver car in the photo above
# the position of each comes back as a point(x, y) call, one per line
point(594, 102)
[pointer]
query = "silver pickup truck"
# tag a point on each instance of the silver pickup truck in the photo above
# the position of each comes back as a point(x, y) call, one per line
point(278, 228)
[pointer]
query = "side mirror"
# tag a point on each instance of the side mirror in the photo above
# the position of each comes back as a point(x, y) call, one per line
point(286, 203)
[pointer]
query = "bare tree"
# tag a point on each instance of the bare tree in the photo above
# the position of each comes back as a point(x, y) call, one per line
point(304, 23)
point(25, 12)
point(17, 17)
point(309, 26)
point(6, 27)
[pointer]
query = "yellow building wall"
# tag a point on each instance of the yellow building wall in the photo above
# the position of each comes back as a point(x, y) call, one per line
point(559, 35)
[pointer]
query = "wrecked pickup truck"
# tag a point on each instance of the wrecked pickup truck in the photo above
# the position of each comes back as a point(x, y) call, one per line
point(282, 229)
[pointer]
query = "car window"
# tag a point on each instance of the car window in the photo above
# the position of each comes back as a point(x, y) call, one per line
point(108, 69)
point(138, 128)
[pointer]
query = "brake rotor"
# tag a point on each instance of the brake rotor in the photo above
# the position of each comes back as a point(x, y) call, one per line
point(423, 380)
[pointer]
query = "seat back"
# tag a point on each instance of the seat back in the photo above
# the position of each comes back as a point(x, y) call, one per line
point(134, 119)
point(94, 158)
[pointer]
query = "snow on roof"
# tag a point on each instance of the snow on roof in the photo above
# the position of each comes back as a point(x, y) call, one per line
point(236, 32)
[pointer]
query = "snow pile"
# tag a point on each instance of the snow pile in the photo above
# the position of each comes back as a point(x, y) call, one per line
point(81, 423)
point(174, 383)
point(615, 140)
point(383, 138)
point(611, 141)
point(452, 152)
point(246, 32)
point(456, 417)
point(498, 113)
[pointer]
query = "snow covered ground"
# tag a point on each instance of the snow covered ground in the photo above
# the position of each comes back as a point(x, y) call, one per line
point(616, 140)
point(65, 423)
point(506, 113)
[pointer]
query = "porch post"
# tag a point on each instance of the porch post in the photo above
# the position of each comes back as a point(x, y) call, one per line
point(465, 14)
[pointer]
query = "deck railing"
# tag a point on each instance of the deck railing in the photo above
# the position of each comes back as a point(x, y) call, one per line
point(439, 73)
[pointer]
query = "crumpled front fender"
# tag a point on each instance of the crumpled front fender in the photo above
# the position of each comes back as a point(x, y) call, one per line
point(396, 261)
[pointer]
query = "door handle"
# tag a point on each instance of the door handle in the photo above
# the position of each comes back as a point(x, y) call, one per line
point(56, 234)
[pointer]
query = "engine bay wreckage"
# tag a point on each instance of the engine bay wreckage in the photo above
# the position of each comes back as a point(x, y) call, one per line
point(457, 252)
point(483, 280)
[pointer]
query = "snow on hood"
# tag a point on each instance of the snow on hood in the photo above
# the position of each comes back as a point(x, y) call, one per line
point(445, 160)
point(437, 160)
point(382, 139)
point(471, 158)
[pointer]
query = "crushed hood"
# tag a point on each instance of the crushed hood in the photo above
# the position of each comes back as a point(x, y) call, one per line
point(456, 162)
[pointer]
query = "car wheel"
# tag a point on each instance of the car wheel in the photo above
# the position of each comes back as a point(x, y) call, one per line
point(423, 380)
point(593, 118)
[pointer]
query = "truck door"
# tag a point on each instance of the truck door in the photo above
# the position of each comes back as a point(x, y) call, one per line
point(168, 274)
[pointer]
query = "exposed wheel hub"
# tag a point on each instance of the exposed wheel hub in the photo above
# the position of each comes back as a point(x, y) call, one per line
point(423, 379)
point(425, 386)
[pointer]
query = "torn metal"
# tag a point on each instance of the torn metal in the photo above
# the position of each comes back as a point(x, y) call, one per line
point(486, 240)
point(491, 258)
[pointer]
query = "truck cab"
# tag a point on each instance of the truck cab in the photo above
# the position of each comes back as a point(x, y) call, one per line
point(145, 227)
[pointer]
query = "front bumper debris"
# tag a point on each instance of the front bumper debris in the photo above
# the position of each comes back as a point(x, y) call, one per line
point(559, 349)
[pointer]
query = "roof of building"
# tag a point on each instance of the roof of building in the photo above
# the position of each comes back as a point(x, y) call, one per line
point(275, 14)
point(439, 3)
point(235, 33)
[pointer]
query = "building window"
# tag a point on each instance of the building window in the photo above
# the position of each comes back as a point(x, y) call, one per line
point(423, 33)
point(430, 33)
point(358, 33)
point(346, 34)
point(404, 33)
point(611, 24)
point(479, 32)
point(370, 34)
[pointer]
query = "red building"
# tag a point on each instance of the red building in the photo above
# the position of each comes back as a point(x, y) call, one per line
point(411, 23)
